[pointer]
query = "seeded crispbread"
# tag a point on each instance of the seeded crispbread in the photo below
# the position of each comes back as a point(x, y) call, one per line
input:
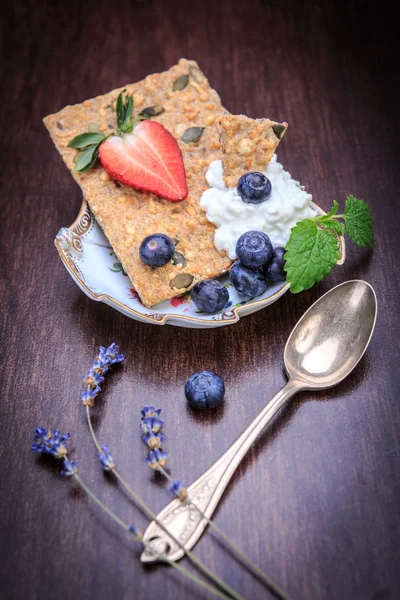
point(127, 215)
point(247, 144)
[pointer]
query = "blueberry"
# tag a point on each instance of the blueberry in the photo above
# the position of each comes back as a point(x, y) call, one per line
point(254, 249)
point(210, 295)
point(249, 282)
point(156, 250)
point(254, 188)
point(204, 390)
point(274, 269)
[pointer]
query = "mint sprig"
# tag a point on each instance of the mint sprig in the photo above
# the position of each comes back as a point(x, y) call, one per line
point(89, 143)
point(357, 216)
point(313, 246)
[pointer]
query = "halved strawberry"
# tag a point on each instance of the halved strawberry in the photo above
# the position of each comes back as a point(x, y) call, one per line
point(147, 159)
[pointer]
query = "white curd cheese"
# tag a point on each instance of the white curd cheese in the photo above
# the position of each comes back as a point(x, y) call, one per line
point(276, 216)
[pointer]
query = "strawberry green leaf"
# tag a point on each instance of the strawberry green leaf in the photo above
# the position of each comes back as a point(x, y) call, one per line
point(311, 252)
point(127, 125)
point(124, 110)
point(129, 108)
point(87, 159)
point(84, 140)
point(359, 224)
point(120, 108)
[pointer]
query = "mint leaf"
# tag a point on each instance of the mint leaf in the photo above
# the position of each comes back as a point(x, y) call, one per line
point(329, 220)
point(359, 225)
point(336, 226)
point(332, 212)
point(87, 158)
point(84, 140)
point(311, 252)
point(313, 248)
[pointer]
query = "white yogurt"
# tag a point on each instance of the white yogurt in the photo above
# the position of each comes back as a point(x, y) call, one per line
point(287, 205)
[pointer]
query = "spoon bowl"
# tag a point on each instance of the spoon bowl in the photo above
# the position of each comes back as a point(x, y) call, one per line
point(332, 336)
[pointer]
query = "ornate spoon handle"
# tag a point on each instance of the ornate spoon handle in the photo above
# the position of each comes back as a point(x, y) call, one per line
point(183, 519)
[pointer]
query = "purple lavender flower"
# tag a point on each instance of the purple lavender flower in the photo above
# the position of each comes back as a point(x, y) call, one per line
point(148, 412)
point(93, 377)
point(89, 395)
point(106, 459)
point(179, 490)
point(99, 366)
point(109, 356)
point(153, 424)
point(70, 468)
point(153, 440)
point(136, 532)
point(47, 442)
point(157, 458)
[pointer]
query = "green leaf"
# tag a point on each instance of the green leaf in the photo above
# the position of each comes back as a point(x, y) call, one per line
point(328, 221)
point(83, 140)
point(127, 125)
point(336, 226)
point(129, 106)
point(124, 113)
point(359, 224)
point(311, 252)
point(87, 159)
point(332, 212)
point(120, 108)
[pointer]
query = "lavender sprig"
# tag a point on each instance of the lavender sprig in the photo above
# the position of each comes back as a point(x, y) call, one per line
point(180, 491)
point(159, 458)
point(106, 459)
point(50, 442)
point(71, 470)
point(100, 366)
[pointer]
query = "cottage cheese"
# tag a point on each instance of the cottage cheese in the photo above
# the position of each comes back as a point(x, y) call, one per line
point(287, 205)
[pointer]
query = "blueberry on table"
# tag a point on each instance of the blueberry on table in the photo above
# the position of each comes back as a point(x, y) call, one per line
point(204, 390)
point(210, 295)
point(254, 187)
point(249, 282)
point(274, 269)
point(156, 250)
point(254, 249)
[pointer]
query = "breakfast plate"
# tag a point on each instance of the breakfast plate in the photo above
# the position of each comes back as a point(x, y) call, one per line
point(93, 265)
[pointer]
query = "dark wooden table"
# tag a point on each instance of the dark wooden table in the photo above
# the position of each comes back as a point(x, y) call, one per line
point(316, 501)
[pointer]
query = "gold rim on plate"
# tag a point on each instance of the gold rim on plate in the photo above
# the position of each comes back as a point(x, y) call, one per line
point(86, 216)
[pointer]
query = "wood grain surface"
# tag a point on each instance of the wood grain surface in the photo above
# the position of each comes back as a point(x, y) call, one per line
point(316, 501)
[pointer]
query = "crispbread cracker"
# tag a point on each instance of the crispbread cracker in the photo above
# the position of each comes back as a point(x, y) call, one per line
point(127, 215)
point(247, 145)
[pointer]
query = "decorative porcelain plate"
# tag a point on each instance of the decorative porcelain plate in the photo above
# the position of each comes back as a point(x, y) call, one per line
point(92, 264)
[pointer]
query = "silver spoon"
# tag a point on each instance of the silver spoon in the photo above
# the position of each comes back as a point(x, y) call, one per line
point(323, 348)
